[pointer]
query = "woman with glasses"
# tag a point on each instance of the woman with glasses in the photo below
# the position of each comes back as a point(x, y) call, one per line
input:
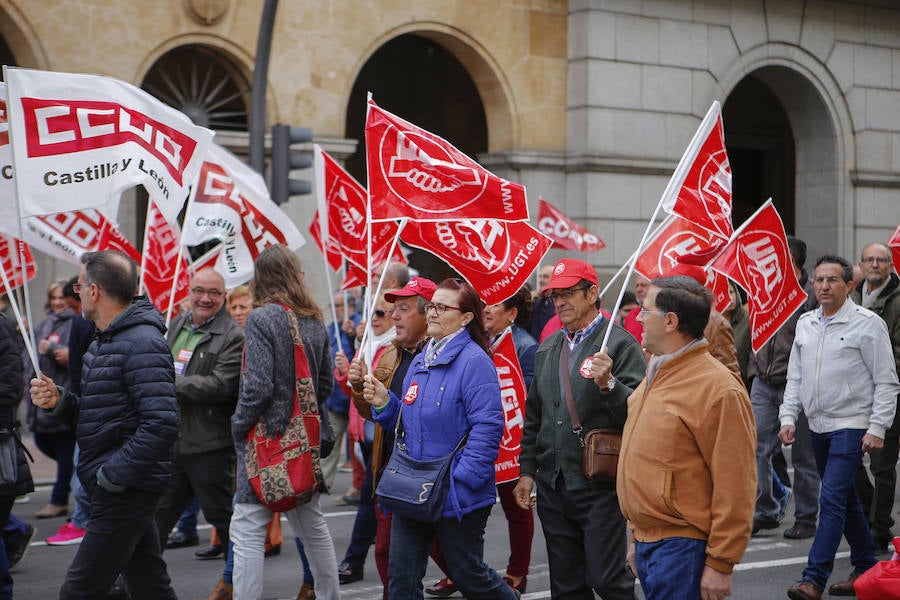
point(268, 384)
point(452, 394)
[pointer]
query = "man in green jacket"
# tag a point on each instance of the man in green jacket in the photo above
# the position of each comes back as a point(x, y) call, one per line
point(583, 527)
point(880, 293)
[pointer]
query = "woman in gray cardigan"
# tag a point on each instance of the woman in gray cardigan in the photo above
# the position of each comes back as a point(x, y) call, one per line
point(267, 393)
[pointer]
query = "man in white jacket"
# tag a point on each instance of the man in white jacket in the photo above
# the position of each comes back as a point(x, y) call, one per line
point(841, 372)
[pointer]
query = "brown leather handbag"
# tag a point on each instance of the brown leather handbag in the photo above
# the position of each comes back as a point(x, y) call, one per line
point(599, 447)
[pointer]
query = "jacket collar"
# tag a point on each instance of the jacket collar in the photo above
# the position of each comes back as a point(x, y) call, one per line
point(843, 313)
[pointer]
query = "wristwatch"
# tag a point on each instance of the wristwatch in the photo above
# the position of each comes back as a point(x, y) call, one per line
point(610, 385)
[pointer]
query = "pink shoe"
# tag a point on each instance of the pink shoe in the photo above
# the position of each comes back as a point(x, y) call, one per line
point(66, 535)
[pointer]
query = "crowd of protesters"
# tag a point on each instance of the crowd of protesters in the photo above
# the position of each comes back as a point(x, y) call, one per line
point(161, 417)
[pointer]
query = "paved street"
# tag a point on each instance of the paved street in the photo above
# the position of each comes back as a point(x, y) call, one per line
point(770, 564)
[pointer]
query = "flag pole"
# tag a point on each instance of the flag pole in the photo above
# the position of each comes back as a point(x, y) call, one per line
point(14, 304)
point(178, 261)
point(387, 261)
point(144, 248)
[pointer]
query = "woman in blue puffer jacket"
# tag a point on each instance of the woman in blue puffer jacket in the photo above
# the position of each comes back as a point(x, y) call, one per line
point(452, 390)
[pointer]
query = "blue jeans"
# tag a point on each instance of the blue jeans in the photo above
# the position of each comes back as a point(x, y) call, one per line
point(838, 454)
point(462, 543)
point(766, 400)
point(187, 522)
point(671, 568)
point(81, 514)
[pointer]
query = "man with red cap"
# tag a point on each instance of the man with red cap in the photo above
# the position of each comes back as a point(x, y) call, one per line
point(583, 527)
point(410, 324)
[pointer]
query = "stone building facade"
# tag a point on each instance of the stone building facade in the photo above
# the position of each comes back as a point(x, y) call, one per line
point(589, 103)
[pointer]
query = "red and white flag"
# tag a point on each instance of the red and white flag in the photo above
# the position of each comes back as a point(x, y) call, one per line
point(79, 140)
point(343, 200)
point(700, 188)
point(565, 233)
point(894, 245)
point(330, 247)
point(68, 235)
point(10, 262)
point(231, 203)
point(758, 259)
point(496, 257)
point(512, 396)
point(417, 174)
point(161, 248)
point(679, 247)
point(355, 277)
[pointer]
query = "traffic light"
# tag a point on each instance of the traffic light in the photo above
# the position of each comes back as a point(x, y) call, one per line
point(284, 161)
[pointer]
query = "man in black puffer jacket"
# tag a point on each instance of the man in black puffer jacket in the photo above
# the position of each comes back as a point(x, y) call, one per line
point(126, 424)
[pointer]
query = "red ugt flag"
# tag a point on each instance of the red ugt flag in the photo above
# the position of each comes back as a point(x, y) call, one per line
point(700, 188)
point(512, 395)
point(565, 233)
point(894, 245)
point(679, 247)
point(757, 258)
point(11, 263)
point(496, 257)
point(414, 173)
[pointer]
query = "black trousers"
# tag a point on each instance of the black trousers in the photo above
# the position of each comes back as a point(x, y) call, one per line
point(210, 477)
point(121, 537)
point(586, 543)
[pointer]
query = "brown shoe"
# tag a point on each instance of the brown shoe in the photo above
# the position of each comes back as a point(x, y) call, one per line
point(222, 592)
point(307, 592)
point(844, 588)
point(51, 511)
point(805, 590)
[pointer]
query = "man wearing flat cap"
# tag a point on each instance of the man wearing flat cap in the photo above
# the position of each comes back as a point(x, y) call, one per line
point(583, 527)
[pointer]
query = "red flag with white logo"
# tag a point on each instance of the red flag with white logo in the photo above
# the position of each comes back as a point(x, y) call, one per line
point(10, 262)
point(496, 257)
point(757, 258)
point(565, 233)
point(414, 173)
point(512, 396)
point(355, 277)
point(343, 200)
point(894, 245)
point(330, 248)
point(161, 248)
point(700, 188)
point(679, 247)
point(231, 203)
point(79, 140)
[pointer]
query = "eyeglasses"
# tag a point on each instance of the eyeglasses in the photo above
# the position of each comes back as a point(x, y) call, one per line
point(212, 293)
point(379, 313)
point(876, 259)
point(440, 308)
point(644, 312)
point(567, 293)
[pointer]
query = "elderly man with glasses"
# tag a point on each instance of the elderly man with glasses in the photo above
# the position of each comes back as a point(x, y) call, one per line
point(583, 527)
point(206, 346)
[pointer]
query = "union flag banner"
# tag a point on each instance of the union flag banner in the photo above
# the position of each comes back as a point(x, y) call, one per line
point(161, 247)
point(894, 245)
point(565, 233)
point(700, 187)
point(355, 277)
point(230, 203)
point(680, 247)
point(79, 140)
point(9, 217)
point(757, 258)
point(10, 262)
point(512, 396)
point(330, 248)
point(416, 174)
point(343, 200)
point(496, 257)
point(68, 235)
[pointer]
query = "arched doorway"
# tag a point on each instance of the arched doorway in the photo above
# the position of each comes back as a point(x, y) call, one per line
point(783, 141)
point(420, 81)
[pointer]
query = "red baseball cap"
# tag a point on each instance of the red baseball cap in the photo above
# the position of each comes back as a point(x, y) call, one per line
point(417, 286)
point(569, 272)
